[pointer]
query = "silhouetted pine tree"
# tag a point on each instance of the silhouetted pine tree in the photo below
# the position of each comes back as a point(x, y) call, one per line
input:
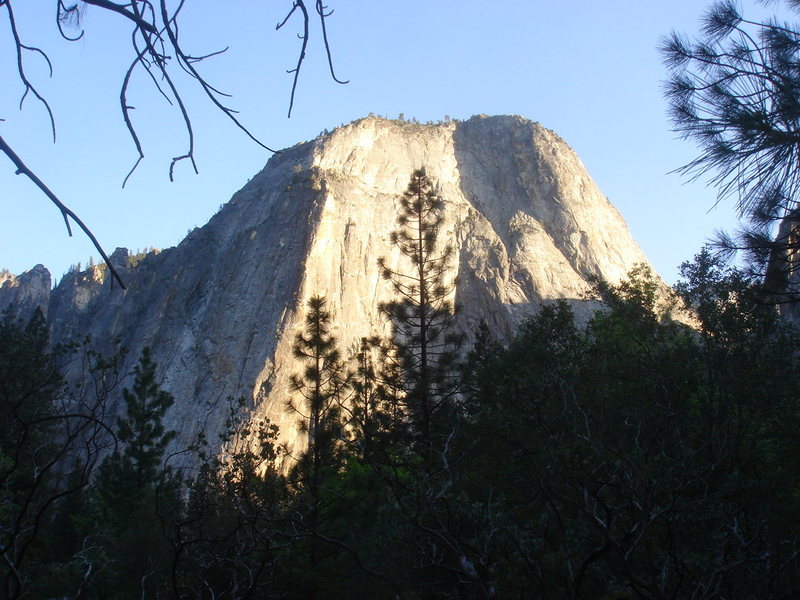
point(437, 538)
point(424, 343)
point(136, 495)
point(319, 387)
point(371, 419)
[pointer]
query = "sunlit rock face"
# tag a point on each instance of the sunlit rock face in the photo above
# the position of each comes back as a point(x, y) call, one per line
point(23, 294)
point(221, 309)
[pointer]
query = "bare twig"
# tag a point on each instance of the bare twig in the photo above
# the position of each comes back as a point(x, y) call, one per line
point(298, 4)
point(121, 10)
point(21, 69)
point(322, 16)
point(323, 13)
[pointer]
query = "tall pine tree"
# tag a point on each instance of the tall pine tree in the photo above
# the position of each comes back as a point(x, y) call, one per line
point(319, 387)
point(438, 530)
point(425, 345)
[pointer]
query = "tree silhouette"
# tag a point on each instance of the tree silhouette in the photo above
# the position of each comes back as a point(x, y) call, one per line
point(736, 92)
point(136, 495)
point(320, 388)
point(425, 345)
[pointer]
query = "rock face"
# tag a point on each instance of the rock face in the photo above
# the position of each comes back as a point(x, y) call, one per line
point(25, 293)
point(221, 309)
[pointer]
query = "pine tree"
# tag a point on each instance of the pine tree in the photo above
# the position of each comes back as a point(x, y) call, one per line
point(736, 93)
point(136, 495)
point(425, 345)
point(320, 387)
point(128, 474)
point(437, 529)
point(370, 417)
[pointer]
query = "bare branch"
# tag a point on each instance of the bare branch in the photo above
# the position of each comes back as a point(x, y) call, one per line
point(121, 10)
point(21, 69)
point(67, 213)
point(301, 5)
point(155, 41)
point(322, 16)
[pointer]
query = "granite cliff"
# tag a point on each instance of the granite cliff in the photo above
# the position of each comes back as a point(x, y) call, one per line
point(220, 310)
point(25, 292)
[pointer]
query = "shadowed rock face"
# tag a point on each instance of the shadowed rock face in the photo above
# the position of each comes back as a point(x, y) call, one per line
point(221, 309)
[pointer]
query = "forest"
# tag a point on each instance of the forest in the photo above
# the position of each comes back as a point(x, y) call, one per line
point(650, 453)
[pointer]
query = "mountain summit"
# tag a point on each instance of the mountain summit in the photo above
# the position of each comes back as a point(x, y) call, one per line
point(221, 309)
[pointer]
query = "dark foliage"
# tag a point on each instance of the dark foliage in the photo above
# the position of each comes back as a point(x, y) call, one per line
point(635, 457)
point(52, 437)
point(233, 527)
point(736, 92)
point(643, 459)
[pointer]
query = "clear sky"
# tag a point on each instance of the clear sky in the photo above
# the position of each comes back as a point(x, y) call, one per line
point(587, 69)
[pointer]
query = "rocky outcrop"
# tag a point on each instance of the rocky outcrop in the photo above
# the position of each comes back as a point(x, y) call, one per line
point(24, 293)
point(80, 295)
point(220, 310)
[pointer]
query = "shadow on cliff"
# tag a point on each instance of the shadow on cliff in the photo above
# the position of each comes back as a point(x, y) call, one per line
point(504, 182)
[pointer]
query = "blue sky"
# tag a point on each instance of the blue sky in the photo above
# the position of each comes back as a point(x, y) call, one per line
point(588, 70)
